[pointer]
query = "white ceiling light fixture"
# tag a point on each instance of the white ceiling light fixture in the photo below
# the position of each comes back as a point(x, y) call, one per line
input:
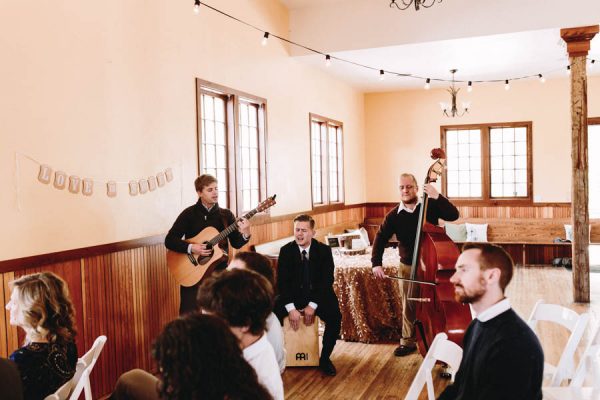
point(450, 110)
point(404, 4)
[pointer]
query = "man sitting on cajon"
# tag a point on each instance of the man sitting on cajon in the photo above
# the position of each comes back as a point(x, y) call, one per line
point(305, 286)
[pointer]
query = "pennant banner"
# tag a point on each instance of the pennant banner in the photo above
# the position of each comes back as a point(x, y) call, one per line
point(77, 185)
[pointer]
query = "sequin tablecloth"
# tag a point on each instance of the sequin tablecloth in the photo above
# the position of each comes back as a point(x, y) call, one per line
point(371, 308)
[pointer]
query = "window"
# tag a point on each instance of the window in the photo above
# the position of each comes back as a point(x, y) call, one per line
point(231, 144)
point(327, 168)
point(488, 162)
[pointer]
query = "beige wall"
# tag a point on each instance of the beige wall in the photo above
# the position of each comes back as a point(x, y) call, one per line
point(402, 127)
point(106, 90)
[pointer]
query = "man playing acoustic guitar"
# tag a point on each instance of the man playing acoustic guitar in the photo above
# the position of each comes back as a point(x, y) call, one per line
point(193, 220)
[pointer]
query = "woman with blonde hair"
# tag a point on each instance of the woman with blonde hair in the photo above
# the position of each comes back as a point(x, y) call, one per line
point(41, 306)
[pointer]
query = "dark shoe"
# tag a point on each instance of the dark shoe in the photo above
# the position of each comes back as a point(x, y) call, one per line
point(327, 367)
point(403, 350)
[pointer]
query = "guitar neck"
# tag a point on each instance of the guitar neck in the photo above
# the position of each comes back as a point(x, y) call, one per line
point(227, 231)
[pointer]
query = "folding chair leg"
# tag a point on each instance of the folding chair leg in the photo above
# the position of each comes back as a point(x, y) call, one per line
point(87, 390)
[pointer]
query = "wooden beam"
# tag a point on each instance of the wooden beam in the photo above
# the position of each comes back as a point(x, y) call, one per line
point(578, 39)
point(578, 45)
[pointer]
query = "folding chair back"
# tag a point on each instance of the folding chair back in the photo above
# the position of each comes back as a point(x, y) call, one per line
point(443, 350)
point(575, 323)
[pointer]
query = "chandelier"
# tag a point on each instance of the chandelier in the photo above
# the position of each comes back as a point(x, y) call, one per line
point(450, 110)
point(404, 4)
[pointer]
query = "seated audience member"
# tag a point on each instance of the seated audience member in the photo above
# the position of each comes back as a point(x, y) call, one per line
point(41, 306)
point(502, 357)
point(198, 358)
point(305, 286)
point(10, 381)
point(258, 263)
point(244, 299)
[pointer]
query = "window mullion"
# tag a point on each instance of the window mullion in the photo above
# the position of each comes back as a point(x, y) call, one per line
point(324, 163)
point(486, 164)
point(234, 174)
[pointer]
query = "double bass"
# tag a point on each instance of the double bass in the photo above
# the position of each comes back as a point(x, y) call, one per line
point(433, 263)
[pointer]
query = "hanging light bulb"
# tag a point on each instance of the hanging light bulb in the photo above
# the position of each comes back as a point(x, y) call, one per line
point(381, 75)
point(327, 60)
point(506, 85)
point(568, 70)
point(592, 63)
point(470, 87)
point(265, 39)
point(542, 79)
point(196, 7)
point(427, 85)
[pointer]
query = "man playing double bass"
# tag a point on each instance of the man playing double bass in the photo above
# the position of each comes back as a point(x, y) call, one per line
point(402, 220)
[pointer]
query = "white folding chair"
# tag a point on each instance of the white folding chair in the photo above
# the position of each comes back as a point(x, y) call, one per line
point(65, 390)
point(81, 380)
point(92, 355)
point(589, 366)
point(443, 350)
point(575, 323)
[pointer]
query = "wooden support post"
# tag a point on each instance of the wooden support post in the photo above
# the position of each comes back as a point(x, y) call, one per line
point(578, 45)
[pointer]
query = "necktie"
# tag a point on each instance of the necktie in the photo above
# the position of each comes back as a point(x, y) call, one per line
point(476, 329)
point(305, 275)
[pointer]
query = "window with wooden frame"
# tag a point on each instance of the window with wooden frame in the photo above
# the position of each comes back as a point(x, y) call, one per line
point(488, 163)
point(231, 144)
point(327, 161)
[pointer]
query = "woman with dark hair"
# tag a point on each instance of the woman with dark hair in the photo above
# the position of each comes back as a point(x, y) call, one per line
point(198, 358)
point(41, 306)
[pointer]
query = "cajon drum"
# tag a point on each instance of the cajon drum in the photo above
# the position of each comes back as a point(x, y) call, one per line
point(302, 346)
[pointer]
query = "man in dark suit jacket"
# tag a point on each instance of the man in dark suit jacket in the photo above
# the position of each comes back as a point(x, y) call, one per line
point(305, 286)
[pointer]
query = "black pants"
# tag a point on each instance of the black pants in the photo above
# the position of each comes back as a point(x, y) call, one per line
point(188, 294)
point(329, 311)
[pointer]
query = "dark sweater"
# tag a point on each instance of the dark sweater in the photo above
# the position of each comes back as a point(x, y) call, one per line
point(44, 367)
point(502, 359)
point(194, 219)
point(404, 225)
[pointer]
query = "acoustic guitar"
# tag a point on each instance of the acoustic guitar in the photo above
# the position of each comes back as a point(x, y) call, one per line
point(187, 269)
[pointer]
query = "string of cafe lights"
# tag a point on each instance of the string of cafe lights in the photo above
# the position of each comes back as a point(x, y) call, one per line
point(266, 35)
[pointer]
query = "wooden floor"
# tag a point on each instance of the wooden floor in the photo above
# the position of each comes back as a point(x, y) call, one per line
point(370, 371)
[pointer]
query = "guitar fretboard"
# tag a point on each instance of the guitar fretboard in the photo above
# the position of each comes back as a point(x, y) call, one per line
point(227, 231)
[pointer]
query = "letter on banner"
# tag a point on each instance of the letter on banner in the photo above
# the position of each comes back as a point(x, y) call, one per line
point(169, 174)
point(111, 189)
point(152, 183)
point(88, 187)
point(60, 180)
point(45, 174)
point(133, 188)
point(160, 178)
point(74, 182)
point(143, 186)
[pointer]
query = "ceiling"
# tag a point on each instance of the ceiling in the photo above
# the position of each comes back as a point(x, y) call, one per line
point(488, 43)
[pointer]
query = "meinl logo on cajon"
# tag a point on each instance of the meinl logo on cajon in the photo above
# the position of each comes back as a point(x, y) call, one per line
point(302, 356)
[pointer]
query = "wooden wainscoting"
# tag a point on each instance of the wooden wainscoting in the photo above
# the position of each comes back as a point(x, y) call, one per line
point(126, 295)
point(535, 210)
point(268, 229)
